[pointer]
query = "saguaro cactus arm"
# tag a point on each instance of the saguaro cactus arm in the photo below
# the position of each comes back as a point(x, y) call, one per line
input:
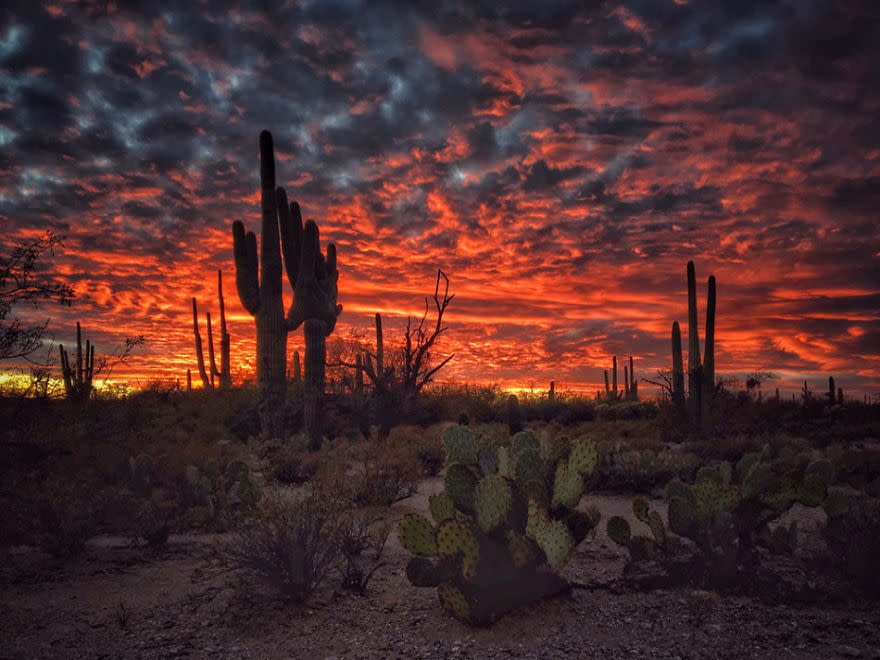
point(247, 279)
point(314, 278)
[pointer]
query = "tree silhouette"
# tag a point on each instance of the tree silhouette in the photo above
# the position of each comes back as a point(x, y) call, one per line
point(22, 281)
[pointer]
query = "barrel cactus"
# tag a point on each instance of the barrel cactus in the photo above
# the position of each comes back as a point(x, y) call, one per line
point(504, 524)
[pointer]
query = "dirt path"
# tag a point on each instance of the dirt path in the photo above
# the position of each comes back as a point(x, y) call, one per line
point(128, 602)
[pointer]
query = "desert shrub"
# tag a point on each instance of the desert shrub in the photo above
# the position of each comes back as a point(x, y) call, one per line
point(65, 518)
point(853, 537)
point(383, 483)
point(291, 546)
point(363, 540)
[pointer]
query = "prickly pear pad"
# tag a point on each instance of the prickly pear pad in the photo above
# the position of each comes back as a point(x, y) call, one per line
point(454, 537)
point(441, 507)
point(460, 443)
point(618, 530)
point(568, 485)
point(492, 501)
point(584, 456)
point(453, 601)
point(460, 482)
point(417, 535)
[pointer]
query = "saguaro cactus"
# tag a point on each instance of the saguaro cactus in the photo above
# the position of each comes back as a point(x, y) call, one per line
point(258, 280)
point(701, 373)
point(677, 368)
point(222, 374)
point(78, 377)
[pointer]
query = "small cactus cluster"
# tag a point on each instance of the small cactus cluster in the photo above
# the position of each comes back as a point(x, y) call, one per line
point(640, 547)
point(78, 376)
point(701, 372)
point(504, 523)
point(219, 487)
point(726, 512)
point(223, 378)
point(210, 496)
point(630, 385)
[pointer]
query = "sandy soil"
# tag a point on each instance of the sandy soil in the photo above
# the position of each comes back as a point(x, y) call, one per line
point(119, 601)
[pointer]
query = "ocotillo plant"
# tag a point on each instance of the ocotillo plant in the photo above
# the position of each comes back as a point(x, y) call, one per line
point(78, 377)
point(258, 280)
point(222, 374)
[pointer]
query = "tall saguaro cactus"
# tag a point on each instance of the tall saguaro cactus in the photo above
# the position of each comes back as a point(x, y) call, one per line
point(701, 373)
point(677, 368)
point(222, 374)
point(78, 376)
point(258, 280)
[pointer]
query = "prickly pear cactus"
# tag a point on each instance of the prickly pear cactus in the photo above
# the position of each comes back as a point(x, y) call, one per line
point(504, 523)
point(726, 512)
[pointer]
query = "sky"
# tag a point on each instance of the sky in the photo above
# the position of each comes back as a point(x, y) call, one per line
point(560, 161)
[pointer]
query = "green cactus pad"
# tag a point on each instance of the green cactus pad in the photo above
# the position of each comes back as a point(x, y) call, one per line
point(640, 508)
point(492, 501)
point(658, 529)
point(538, 519)
point(552, 451)
point(557, 542)
point(529, 465)
point(618, 530)
point(487, 456)
point(453, 601)
point(581, 523)
point(417, 535)
point(584, 456)
point(441, 507)
point(714, 498)
point(460, 482)
point(460, 443)
point(568, 486)
point(454, 537)
point(524, 440)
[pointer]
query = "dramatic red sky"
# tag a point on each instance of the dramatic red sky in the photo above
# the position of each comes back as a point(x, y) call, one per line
point(560, 164)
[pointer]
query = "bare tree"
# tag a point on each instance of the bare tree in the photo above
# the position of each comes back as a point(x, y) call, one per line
point(419, 340)
point(21, 281)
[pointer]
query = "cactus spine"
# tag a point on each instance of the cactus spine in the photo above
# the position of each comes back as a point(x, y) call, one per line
point(258, 280)
point(78, 377)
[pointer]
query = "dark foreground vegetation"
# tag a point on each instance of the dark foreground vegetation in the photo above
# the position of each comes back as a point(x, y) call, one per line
point(165, 461)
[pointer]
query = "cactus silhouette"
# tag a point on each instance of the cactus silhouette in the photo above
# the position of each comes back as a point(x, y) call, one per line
point(78, 376)
point(222, 374)
point(258, 280)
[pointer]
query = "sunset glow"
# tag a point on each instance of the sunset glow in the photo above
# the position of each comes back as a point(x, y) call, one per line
point(560, 165)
